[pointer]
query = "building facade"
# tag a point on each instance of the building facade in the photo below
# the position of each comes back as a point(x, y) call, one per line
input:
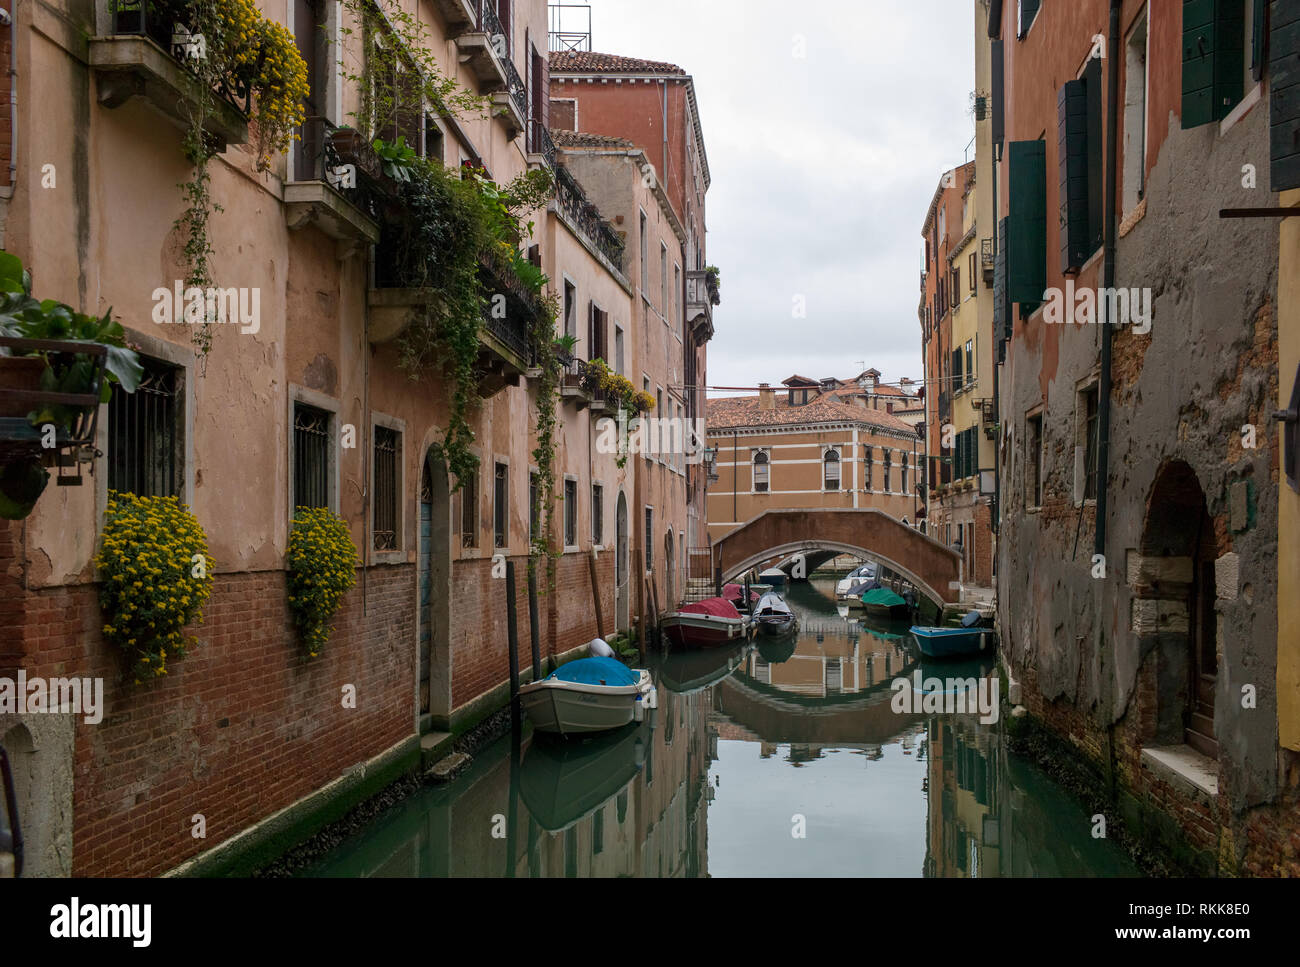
point(815, 444)
point(1139, 471)
point(311, 406)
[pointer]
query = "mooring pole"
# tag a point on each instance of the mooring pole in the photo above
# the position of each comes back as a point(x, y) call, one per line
point(512, 637)
point(533, 623)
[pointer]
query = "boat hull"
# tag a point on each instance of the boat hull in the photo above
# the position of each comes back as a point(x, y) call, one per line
point(773, 627)
point(953, 642)
point(570, 708)
point(892, 611)
point(688, 630)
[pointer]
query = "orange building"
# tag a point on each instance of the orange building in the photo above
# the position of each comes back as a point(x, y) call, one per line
point(819, 443)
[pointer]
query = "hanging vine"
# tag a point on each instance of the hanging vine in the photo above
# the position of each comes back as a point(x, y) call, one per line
point(548, 385)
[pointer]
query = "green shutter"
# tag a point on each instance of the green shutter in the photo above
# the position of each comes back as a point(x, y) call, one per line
point(1028, 11)
point(1027, 222)
point(1096, 206)
point(1001, 305)
point(1213, 59)
point(1258, 31)
point(1284, 95)
point(1072, 150)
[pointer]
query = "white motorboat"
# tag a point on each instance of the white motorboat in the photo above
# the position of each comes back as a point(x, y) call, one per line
point(588, 695)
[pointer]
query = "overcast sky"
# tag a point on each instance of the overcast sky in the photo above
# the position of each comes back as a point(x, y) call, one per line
point(822, 164)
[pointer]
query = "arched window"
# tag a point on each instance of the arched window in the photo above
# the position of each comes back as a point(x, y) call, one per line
point(762, 470)
point(831, 470)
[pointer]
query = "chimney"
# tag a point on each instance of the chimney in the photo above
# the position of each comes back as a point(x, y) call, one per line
point(766, 398)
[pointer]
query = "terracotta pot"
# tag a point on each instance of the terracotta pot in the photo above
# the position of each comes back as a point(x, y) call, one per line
point(20, 373)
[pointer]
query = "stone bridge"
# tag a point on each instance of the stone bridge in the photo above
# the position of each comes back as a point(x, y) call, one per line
point(866, 533)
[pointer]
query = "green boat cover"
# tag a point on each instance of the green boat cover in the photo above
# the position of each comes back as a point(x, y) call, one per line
point(883, 597)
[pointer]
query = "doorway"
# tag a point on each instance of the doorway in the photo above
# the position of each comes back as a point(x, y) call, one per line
point(621, 565)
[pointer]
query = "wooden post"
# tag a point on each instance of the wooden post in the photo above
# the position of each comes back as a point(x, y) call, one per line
point(533, 622)
point(654, 597)
point(512, 639)
point(595, 594)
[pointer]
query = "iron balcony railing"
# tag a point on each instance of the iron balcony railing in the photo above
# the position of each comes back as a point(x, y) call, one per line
point(571, 199)
point(539, 142)
point(166, 23)
point(987, 258)
point(342, 159)
point(701, 289)
point(490, 24)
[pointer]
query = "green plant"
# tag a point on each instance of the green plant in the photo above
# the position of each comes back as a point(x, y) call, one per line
point(547, 385)
point(25, 317)
point(155, 575)
point(397, 157)
point(322, 568)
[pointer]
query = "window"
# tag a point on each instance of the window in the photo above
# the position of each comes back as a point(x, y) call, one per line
point(645, 443)
point(570, 513)
point(649, 539)
point(645, 256)
point(387, 487)
point(954, 289)
point(663, 279)
point(597, 329)
point(866, 466)
point(434, 141)
point(970, 361)
point(469, 511)
point(889, 466)
point(1218, 54)
point(1034, 460)
point(597, 514)
point(970, 271)
point(677, 292)
point(1026, 13)
point(1135, 115)
point(831, 470)
point(501, 505)
point(312, 439)
point(618, 350)
point(570, 309)
point(658, 424)
point(1086, 445)
point(903, 488)
point(1079, 151)
point(145, 435)
point(762, 469)
point(534, 508)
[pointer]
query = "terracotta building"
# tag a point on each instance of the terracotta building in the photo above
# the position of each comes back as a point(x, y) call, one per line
point(315, 408)
point(816, 443)
point(1138, 542)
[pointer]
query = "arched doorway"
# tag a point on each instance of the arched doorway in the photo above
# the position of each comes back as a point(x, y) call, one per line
point(434, 568)
point(1179, 548)
point(670, 570)
point(622, 565)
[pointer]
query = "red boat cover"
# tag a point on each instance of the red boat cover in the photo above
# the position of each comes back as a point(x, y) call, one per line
point(734, 592)
point(718, 607)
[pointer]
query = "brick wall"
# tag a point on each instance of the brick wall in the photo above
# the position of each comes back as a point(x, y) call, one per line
point(239, 728)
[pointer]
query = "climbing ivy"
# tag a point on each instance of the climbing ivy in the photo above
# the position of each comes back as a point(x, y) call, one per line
point(547, 383)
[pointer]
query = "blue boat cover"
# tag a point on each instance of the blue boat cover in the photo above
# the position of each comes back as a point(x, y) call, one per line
point(596, 671)
point(971, 619)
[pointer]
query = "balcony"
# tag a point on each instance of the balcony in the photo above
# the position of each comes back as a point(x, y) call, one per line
point(144, 57)
point(334, 185)
point(987, 259)
point(458, 15)
point(578, 387)
point(540, 148)
point(701, 296)
point(585, 216)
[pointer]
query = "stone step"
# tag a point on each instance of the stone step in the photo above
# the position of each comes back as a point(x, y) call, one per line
point(448, 767)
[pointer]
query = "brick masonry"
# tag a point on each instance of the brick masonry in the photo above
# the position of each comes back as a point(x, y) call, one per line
point(240, 728)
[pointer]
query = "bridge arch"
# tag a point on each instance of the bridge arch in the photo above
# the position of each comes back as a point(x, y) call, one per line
point(868, 533)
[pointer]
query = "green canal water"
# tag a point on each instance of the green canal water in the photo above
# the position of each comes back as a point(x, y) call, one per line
point(778, 759)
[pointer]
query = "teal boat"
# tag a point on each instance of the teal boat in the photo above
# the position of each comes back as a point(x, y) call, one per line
point(953, 642)
point(884, 603)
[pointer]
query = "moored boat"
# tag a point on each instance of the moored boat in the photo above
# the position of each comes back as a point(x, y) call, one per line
point(772, 617)
point(703, 624)
point(588, 695)
point(884, 603)
point(952, 642)
point(774, 576)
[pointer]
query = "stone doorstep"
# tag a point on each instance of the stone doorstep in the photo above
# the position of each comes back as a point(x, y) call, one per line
point(434, 746)
point(1185, 769)
point(448, 767)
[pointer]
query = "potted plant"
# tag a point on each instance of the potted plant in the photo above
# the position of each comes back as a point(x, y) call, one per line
point(39, 343)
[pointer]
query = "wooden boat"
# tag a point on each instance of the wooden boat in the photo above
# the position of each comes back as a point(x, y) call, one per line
point(772, 617)
point(952, 642)
point(588, 695)
point(884, 603)
point(774, 576)
point(704, 624)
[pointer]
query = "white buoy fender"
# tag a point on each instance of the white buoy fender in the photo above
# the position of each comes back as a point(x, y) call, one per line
point(599, 648)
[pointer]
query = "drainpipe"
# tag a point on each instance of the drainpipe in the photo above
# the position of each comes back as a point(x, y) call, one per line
point(1108, 275)
point(13, 94)
point(734, 466)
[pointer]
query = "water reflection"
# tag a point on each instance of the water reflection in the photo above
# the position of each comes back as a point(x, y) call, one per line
point(782, 757)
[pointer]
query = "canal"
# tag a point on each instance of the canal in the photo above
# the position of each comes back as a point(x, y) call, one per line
point(777, 759)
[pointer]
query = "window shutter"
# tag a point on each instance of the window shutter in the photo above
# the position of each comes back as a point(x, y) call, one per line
point(1213, 59)
point(1284, 95)
point(1001, 306)
point(1072, 128)
point(1027, 222)
point(1093, 86)
point(1258, 33)
point(1028, 10)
